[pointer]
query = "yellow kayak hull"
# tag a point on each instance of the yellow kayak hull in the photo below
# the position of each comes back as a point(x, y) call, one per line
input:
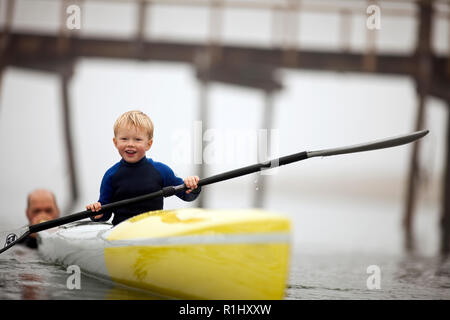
point(240, 271)
point(195, 253)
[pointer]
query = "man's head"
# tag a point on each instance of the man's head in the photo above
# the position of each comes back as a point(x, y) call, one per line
point(133, 135)
point(41, 206)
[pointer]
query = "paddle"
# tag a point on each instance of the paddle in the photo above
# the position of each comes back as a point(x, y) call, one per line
point(10, 238)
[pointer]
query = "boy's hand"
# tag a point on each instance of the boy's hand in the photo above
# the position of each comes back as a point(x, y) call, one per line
point(94, 207)
point(191, 183)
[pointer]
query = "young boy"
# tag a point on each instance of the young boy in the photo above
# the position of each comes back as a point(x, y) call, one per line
point(135, 174)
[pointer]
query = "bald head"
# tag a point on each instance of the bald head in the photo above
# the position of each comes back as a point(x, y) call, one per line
point(41, 206)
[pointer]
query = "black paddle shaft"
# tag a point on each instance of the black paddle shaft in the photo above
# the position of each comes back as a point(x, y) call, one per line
point(169, 191)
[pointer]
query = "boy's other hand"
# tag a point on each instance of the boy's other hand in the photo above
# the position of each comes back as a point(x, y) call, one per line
point(94, 207)
point(191, 183)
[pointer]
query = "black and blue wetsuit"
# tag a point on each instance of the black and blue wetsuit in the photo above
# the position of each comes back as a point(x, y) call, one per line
point(127, 180)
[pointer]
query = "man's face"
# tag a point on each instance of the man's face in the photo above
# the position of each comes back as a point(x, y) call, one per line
point(41, 207)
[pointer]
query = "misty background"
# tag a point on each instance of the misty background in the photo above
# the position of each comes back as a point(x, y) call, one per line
point(332, 201)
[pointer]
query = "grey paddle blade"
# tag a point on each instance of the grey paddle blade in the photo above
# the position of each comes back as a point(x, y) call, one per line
point(11, 237)
point(374, 145)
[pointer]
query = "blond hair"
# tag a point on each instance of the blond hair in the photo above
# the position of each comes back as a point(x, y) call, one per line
point(136, 119)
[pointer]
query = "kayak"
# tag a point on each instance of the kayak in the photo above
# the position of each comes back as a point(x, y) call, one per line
point(181, 254)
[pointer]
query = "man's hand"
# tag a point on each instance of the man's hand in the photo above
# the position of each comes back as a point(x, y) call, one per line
point(191, 183)
point(41, 217)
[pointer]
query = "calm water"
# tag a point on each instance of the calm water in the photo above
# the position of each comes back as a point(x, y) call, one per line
point(332, 250)
point(313, 276)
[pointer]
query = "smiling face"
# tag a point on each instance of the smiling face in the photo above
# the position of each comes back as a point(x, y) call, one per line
point(132, 143)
